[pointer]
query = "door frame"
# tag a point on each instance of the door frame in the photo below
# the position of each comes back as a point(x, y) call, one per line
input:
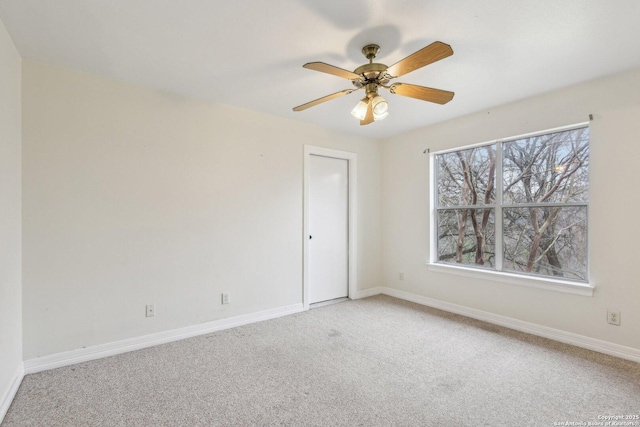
point(352, 169)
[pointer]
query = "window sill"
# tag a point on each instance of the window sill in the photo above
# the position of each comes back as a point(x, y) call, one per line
point(583, 289)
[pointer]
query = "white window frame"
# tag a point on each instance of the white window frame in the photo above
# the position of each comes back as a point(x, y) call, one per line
point(535, 281)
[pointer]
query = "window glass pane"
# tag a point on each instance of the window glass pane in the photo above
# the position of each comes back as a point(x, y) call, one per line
point(552, 168)
point(558, 249)
point(467, 177)
point(466, 236)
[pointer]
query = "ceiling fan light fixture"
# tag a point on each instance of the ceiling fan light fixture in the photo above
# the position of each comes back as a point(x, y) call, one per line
point(380, 107)
point(360, 110)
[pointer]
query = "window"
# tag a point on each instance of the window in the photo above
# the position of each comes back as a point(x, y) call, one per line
point(517, 206)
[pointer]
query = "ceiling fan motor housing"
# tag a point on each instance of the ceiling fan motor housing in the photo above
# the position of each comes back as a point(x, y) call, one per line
point(372, 72)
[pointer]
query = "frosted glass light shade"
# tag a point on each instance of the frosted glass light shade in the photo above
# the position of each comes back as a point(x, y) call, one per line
point(380, 116)
point(380, 107)
point(360, 110)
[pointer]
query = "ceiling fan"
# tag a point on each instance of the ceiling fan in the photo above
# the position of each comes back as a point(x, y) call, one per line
point(373, 75)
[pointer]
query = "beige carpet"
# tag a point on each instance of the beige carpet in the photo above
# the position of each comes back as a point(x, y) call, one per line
point(373, 362)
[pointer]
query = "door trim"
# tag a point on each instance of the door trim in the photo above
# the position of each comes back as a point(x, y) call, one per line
point(352, 160)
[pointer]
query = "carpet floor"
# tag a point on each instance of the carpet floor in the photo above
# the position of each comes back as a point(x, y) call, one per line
point(378, 361)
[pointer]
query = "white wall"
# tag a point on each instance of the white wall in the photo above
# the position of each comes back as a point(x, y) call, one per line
point(133, 196)
point(613, 213)
point(10, 221)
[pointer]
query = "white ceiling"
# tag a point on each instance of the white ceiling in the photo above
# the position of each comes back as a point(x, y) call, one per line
point(249, 53)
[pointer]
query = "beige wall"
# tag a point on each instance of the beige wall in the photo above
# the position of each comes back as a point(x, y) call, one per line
point(133, 196)
point(10, 222)
point(614, 233)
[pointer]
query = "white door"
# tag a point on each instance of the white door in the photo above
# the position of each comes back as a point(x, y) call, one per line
point(328, 228)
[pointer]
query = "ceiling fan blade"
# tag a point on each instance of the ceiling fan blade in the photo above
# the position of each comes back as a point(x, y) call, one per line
point(323, 99)
point(425, 56)
point(423, 93)
point(368, 118)
point(331, 69)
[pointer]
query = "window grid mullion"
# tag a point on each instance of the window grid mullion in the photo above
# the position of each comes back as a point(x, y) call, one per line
point(498, 210)
point(454, 207)
point(544, 205)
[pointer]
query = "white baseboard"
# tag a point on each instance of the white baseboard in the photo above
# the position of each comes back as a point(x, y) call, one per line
point(8, 396)
point(111, 349)
point(364, 293)
point(600, 346)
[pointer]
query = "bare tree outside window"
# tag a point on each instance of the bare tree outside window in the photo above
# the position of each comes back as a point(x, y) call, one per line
point(548, 175)
point(542, 202)
point(466, 182)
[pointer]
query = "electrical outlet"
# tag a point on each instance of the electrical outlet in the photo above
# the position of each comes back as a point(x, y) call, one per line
point(401, 275)
point(613, 317)
point(151, 310)
point(225, 298)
